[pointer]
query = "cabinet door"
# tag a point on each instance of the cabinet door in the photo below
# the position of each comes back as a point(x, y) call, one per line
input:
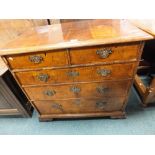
point(4, 104)
point(12, 100)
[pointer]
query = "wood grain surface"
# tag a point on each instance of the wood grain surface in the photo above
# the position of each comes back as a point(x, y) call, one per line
point(10, 29)
point(81, 74)
point(86, 90)
point(77, 106)
point(75, 34)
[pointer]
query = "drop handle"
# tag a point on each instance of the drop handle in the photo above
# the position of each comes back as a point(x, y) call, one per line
point(43, 77)
point(104, 72)
point(104, 53)
point(36, 59)
point(73, 73)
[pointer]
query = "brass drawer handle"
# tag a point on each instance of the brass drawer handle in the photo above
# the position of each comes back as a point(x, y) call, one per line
point(49, 92)
point(73, 73)
point(101, 104)
point(104, 72)
point(75, 89)
point(36, 59)
point(43, 77)
point(104, 53)
point(57, 106)
point(102, 90)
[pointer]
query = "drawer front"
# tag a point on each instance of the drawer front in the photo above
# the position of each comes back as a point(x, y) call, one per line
point(81, 74)
point(79, 105)
point(104, 54)
point(36, 60)
point(89, 90)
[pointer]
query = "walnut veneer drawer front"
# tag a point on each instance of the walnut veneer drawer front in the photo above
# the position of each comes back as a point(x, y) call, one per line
point(87, 90)
point(80, 74)
point(79, 105)
point(36, 60)
point(104, 53)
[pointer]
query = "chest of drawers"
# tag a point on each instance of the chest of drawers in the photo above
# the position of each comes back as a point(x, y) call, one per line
point(77, 69)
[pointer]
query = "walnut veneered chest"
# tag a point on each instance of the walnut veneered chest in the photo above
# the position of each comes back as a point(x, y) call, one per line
point(77, 69)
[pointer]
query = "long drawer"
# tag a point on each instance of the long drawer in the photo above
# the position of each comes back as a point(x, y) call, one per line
point(78, 74)
point(79, 105)
point(107, 53)
point(36, 60)
point(87, 90)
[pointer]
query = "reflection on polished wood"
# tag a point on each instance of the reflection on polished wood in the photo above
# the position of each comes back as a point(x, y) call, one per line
point(75, 34)
point(146, 25)
point(10, 29)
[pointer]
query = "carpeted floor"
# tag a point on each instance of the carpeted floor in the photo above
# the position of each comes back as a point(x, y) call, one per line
point(139, 121)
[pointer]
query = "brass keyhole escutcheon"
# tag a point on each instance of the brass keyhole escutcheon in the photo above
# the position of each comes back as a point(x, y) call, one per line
point(101, 104)
point(77, 102)
point(49, 92)
point(102, 90)
point(75, 89)
point(73, 73)
point(57, 106)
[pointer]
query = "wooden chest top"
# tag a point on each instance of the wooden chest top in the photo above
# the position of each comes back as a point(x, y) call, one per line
point(75, 34)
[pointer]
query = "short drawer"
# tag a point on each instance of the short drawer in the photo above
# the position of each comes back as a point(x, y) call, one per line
point(73, 106)
point(108, 53)
point(87, 90)
point(79, 74)
point(37, 60)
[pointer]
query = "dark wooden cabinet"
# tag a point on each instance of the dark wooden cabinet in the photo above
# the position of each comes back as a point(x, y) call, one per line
point(146, 89)
point(145, 78)
point(13, 102)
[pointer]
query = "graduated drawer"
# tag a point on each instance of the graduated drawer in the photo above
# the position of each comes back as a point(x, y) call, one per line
point(87, 90)
point(73, 106)
point(108, 53)
point(36, 60)
point(79, 74)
